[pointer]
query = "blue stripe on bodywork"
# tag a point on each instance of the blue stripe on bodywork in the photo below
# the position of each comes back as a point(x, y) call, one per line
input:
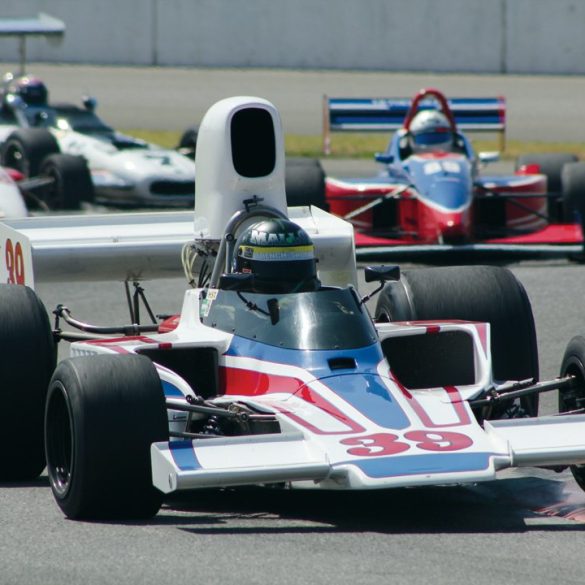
point(170, 389)
point(184, 455)
point(314, 361)
point(380, 467)
point(367, 394)
point(361, 387)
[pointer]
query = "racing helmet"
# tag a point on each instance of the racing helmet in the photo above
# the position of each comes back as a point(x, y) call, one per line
point(279, 254)
point(31, 90)
point(430, 131)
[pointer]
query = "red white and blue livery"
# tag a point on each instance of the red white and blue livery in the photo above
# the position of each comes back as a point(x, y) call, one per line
point(300, 388)
point(432, 197)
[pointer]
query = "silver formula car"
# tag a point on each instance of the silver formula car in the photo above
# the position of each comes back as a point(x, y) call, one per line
point(125, 171)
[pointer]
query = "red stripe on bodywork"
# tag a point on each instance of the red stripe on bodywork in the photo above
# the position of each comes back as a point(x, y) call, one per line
point(252, 383)
point(454, 398)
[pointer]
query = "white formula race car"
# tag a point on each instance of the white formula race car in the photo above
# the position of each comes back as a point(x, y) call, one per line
point(272, 373)
point(125, 171)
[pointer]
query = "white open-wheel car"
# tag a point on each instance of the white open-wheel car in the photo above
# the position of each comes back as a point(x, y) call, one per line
point(287, 382)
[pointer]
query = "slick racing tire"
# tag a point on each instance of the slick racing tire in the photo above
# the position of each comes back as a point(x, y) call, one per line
point(573, 398)
point(188, 142)
point(573, 186)
point(71, 184)
point(304, 182)
point(102, 414)
point(551, 165)
point(472, 293)
point(26, 149)
point(27, 360)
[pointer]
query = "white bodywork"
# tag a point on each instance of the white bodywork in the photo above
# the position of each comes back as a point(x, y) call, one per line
point(11, 202)
point(130, 176)
point(125, 171)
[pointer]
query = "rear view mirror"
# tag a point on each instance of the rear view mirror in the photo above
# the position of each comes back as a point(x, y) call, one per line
point(384, 157)
point(381, 273)
point(488, 157)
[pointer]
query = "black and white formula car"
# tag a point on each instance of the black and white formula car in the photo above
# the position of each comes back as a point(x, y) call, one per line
point(273, 372)
point(126, 171)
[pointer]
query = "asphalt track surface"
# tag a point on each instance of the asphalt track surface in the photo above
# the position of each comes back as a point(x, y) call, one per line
point(525, 527)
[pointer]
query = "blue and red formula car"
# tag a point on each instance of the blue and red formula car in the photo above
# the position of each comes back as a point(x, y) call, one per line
point(430, 196)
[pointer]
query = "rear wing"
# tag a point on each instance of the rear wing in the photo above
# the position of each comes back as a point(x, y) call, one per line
point(143, 246)
point(43, 25)
point(388, 114)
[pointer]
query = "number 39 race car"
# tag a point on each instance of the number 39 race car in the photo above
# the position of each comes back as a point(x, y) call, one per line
point(274, 372)
point(430, 197)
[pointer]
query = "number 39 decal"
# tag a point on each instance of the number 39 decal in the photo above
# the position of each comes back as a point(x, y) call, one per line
point(380, 444)
point(14, 262)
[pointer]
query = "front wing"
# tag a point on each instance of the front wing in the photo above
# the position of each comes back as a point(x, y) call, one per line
point(304, 461)
point(552, 240)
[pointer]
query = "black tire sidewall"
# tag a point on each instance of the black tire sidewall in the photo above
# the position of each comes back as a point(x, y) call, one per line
point(35, 144)
point(305, 183)
point(73, 183)
point(27, 360)
point(574, 363)
point(117, 411)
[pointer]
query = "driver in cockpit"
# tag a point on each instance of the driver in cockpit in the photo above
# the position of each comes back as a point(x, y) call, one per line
point(280, 255)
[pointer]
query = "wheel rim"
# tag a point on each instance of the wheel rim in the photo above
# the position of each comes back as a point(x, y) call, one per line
point(59, 441)
point(14, 159)
point(52, 193)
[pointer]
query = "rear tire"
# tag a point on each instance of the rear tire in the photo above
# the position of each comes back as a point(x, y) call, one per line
point(573, 186)
point(573, 398)
point(27, 360)
point(305, 183)
point(26, 149)
point(472, 293)
point(102, 414)
point(188, 142)
point(72, 182)
point(573, 183)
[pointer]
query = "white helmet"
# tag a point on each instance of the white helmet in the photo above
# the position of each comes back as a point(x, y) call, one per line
point(430, 131)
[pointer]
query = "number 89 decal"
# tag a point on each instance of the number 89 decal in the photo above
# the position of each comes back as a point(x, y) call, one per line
point(14, 261)
point(380, 444)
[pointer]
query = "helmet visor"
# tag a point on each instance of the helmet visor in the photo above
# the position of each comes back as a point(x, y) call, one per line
point(434, 138)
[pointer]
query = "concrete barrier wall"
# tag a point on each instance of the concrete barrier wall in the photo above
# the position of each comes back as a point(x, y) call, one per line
point(485, 36)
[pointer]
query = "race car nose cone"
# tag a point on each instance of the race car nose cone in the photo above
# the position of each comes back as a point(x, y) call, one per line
point(453, 231)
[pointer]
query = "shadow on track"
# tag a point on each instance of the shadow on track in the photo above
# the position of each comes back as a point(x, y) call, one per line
point(493, 507)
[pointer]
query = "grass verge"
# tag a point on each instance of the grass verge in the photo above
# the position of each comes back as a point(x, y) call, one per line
point(363, 145)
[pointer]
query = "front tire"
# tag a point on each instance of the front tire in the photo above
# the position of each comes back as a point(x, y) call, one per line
point(27, 360)
point(71, 184)
point(26, 149)
point(102, 414)
point(573, 398)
